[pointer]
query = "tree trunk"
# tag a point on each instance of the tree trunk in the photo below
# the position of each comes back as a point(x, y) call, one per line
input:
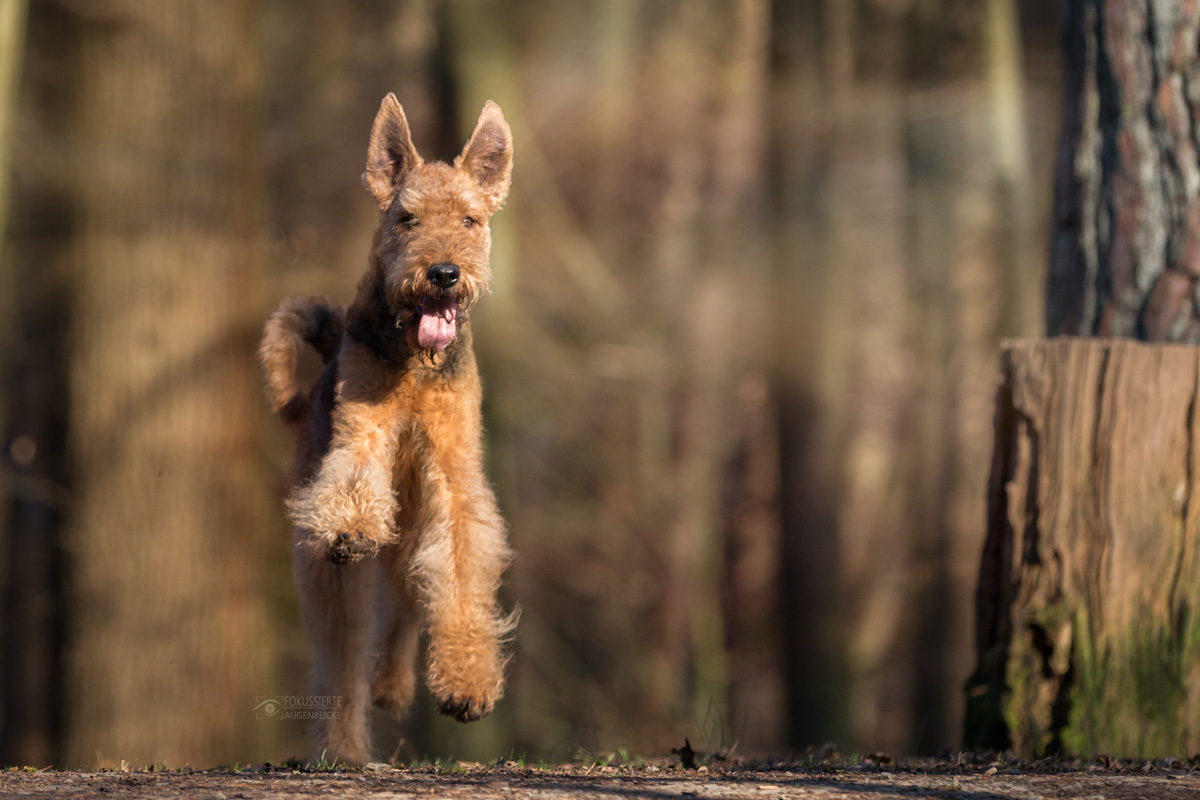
point(1086, 627)
point(1125, 252)
point(169, 645)
point(12, 42)
point(649, 467)
point(899, 227)
point(28, 630)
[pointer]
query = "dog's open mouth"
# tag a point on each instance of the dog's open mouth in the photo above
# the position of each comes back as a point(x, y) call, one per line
point(437, 322)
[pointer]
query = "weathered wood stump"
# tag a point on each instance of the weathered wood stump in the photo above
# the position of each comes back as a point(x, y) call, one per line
point(1087, 635)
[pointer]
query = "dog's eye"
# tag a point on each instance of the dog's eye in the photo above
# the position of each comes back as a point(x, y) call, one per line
point(409, 220)
point(469, 222)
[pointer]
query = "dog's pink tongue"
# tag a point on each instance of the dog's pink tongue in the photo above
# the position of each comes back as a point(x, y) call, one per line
point(437, 326)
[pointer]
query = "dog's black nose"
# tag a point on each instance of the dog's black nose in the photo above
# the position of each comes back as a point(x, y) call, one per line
point(443, 275)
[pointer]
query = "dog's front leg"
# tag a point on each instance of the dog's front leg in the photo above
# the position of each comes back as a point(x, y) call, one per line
point(458, 563)
point(349, 508)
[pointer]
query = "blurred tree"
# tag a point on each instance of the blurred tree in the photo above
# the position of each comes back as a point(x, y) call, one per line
point(899, 230)
point(12, 43)
point(1126, 246)
point(809, 433)
point(27, 560)
point(168, 641)
point(631, 436)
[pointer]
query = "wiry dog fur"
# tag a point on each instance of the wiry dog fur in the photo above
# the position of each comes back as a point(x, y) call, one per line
point(395, 523)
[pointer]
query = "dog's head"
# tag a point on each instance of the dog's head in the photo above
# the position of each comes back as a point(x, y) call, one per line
point(433, 234)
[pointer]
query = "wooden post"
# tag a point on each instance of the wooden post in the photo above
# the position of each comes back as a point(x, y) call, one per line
point(1087, 635)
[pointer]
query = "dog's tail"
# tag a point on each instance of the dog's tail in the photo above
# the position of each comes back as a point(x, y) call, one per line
point(296, 321)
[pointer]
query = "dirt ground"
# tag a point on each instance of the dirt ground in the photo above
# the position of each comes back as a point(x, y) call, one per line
point(979, 779)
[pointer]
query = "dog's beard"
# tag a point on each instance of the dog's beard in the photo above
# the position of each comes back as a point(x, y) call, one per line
point(437, 324)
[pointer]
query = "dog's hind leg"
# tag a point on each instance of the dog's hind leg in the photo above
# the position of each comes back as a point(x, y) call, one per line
point(400, 618)
point(335, 603)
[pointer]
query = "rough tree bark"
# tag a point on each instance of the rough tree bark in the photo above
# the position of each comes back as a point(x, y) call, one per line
point(1087, 634)
point(1125, 253)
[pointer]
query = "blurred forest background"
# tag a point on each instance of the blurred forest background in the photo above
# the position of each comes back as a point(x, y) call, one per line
point(739, 359)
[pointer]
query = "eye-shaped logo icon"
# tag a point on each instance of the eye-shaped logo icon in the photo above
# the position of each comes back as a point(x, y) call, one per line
point(267, 708)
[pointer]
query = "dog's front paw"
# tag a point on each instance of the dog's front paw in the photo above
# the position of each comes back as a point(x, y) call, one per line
point(465, 671)
point(347, 547)
point(345, 522)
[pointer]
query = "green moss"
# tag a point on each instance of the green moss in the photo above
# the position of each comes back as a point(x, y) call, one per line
point(1131, 697)
point(1127, 695)
point(1034, 677)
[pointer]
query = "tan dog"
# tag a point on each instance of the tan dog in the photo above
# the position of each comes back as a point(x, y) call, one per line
point(395, 520)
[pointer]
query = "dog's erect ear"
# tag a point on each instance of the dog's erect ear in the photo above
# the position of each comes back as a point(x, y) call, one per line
point(488, 155)
point(390, 155)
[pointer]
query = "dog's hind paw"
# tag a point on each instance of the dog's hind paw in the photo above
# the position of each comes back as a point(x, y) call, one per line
point(347, 547)
point(465, 709)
